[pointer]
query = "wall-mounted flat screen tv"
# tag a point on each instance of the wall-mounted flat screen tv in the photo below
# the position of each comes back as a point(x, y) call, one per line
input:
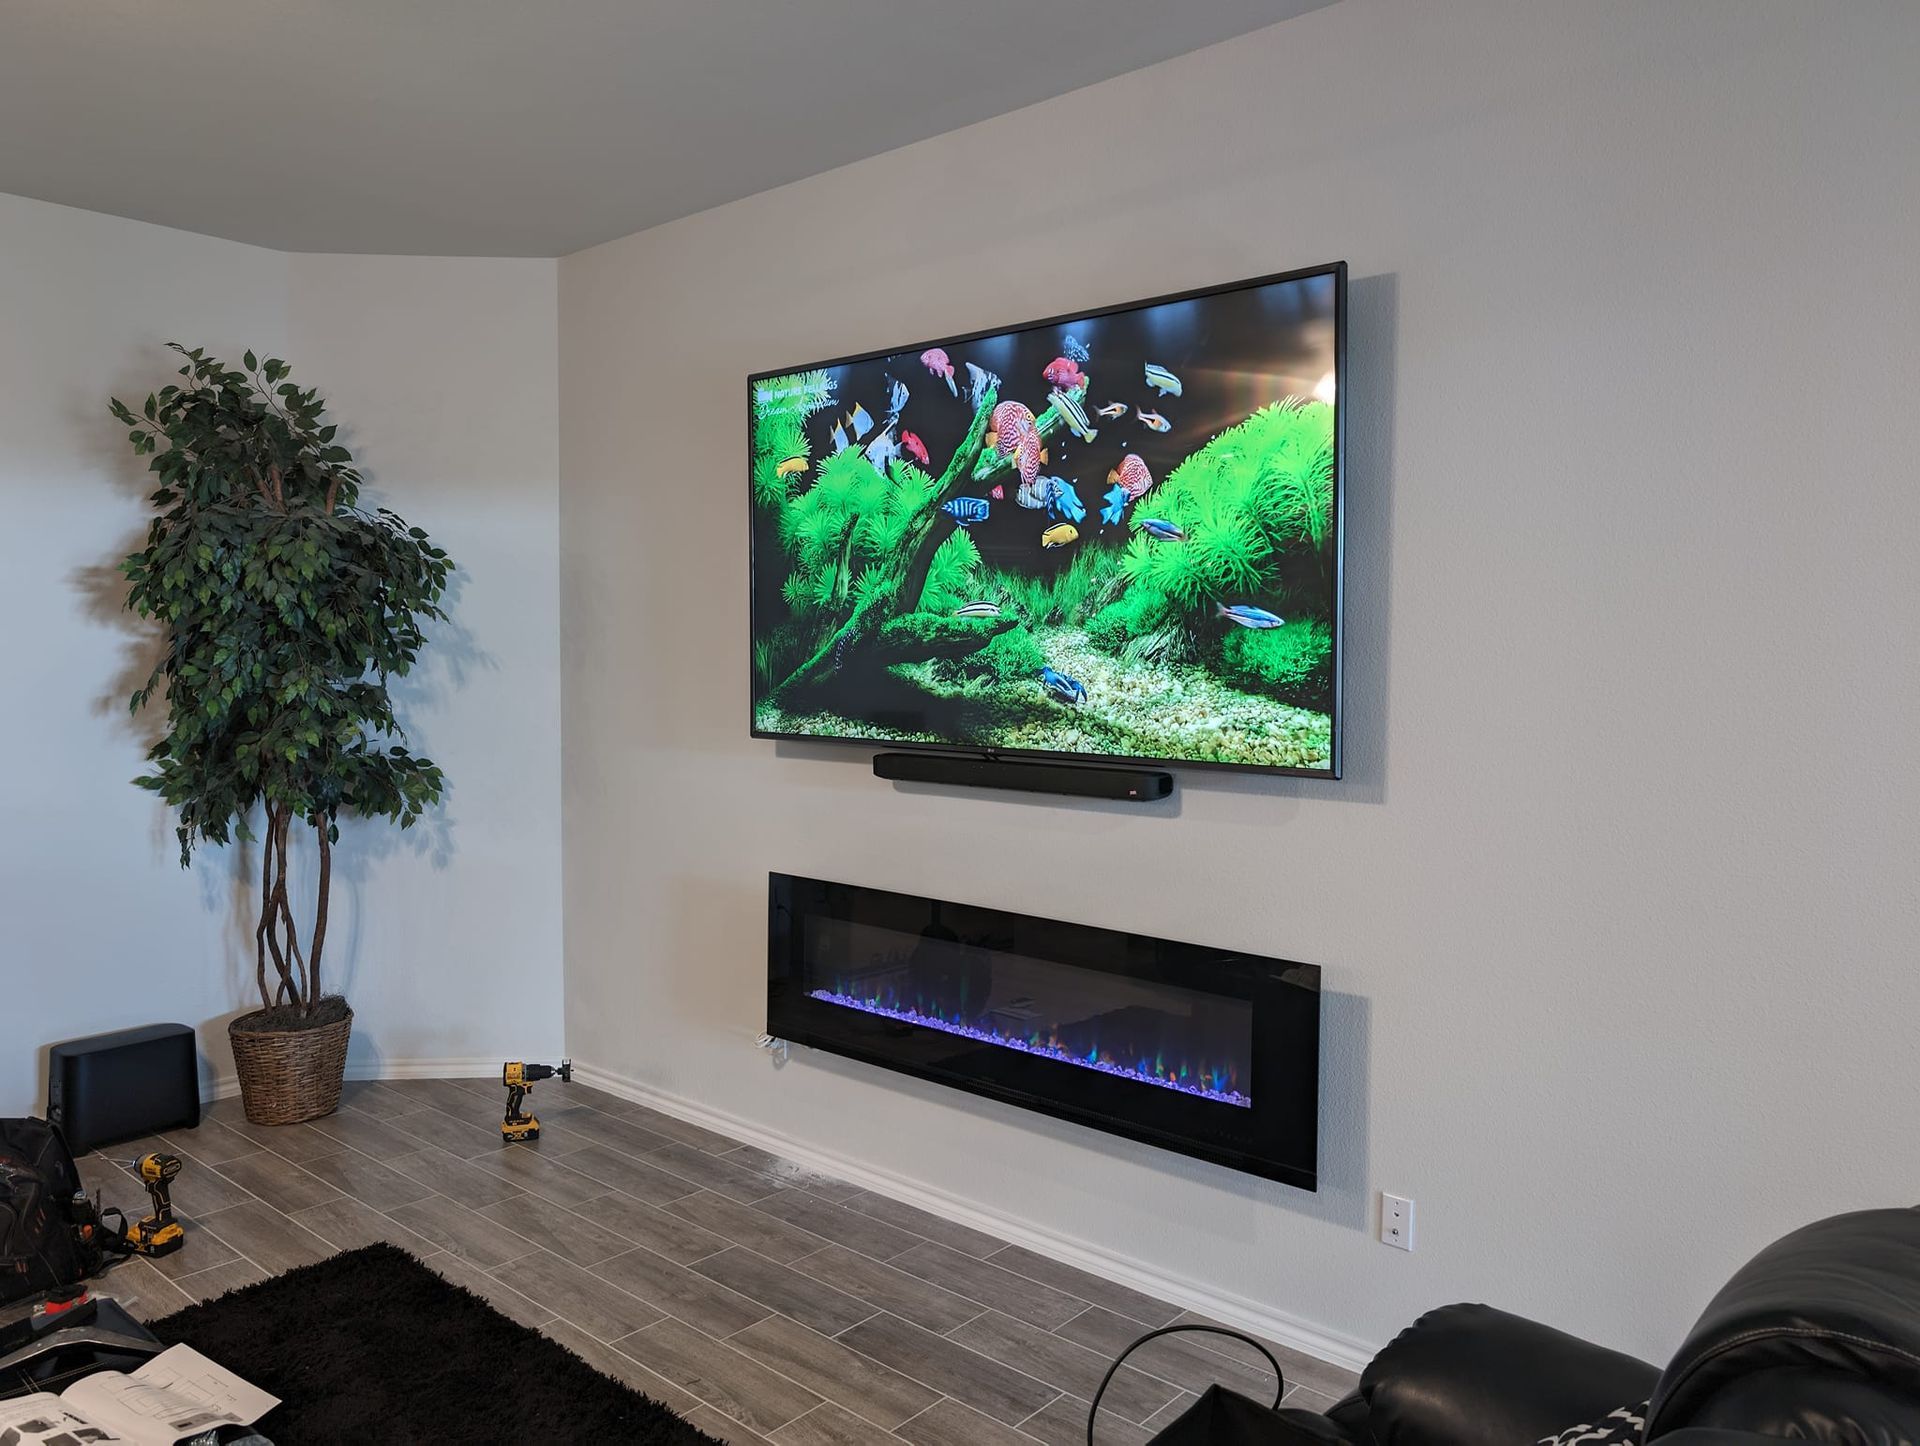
point(1112, 536)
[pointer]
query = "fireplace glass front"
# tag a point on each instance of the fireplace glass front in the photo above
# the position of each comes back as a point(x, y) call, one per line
point(1209, 1052)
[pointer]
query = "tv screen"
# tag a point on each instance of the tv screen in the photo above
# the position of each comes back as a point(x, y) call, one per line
point(1113, 536)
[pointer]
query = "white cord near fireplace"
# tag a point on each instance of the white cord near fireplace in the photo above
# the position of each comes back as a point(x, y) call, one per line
point(776, 1047)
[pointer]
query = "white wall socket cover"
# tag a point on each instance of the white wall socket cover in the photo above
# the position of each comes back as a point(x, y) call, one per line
point(1396, 1221)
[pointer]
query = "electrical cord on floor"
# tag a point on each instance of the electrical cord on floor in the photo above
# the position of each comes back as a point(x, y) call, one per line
point(114, 1248)
point(1280, 1380)
point(111, 1243)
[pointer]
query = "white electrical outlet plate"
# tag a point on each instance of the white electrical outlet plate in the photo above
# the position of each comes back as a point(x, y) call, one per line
point(1396, 1221)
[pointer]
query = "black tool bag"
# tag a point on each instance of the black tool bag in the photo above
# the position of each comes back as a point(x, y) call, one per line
point(39, 1248)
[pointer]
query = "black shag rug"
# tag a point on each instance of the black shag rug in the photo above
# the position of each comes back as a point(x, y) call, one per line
point(373, 1346)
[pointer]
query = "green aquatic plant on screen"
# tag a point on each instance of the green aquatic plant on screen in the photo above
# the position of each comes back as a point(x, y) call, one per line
point(1112, 537)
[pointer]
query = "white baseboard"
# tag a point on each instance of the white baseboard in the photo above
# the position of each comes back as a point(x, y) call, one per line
point(1254, 1317)
point(220, 1087)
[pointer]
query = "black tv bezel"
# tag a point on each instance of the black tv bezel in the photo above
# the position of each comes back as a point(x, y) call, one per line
point(1338, 271)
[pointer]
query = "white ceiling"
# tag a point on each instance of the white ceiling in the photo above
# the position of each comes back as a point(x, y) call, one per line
point(524, 127)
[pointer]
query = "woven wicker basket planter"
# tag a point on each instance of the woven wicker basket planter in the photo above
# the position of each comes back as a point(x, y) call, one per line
point(289, 1075)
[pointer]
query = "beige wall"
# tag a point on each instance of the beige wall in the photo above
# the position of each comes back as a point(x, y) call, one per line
point(443, 371)
point(1616, 905)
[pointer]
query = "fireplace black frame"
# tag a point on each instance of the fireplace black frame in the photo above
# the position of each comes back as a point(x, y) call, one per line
point(1276, 1137)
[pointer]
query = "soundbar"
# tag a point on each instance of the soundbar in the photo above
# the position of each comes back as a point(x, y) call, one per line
point(1081, 780)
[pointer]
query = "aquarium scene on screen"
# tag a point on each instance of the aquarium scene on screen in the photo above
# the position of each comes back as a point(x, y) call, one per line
point(1109, 537)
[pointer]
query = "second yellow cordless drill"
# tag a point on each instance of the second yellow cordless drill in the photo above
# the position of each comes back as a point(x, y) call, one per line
point(519, 1079)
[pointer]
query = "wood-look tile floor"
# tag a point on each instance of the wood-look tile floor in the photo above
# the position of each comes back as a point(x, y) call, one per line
point(765, 1302)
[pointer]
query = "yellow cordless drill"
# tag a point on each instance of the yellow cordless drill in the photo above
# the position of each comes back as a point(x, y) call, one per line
point(159, 1233)
point(519, 1079)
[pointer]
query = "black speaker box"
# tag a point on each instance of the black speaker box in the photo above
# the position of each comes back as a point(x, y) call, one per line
point(1082, 780)
point(110, 1087)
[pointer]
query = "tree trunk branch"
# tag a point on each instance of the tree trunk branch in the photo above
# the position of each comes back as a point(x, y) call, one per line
point(852, 636)
point(322, 827)
point(293, 969)
point(273, 902)
point(266, 912)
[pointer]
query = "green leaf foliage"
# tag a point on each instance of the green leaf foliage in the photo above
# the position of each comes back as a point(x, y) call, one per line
point(1256, 505)
point(1291, 662)
point(781, 406)
point(286, 608)
point(1256, 494)
point(950, 576)
point(851, 523)
point(1012, 657)
point(1140, 610)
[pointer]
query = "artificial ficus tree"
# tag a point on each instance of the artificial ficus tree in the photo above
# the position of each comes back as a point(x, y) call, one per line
point(286, 609)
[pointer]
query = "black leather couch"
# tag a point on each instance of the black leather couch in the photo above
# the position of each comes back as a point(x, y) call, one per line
point(1817, 1338)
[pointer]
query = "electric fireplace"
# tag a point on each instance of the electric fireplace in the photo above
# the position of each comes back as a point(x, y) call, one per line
point(1204, 1051)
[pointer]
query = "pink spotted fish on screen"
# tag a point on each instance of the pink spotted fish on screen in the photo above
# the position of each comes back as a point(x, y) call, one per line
point(1011, 432)
point(935, 360)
